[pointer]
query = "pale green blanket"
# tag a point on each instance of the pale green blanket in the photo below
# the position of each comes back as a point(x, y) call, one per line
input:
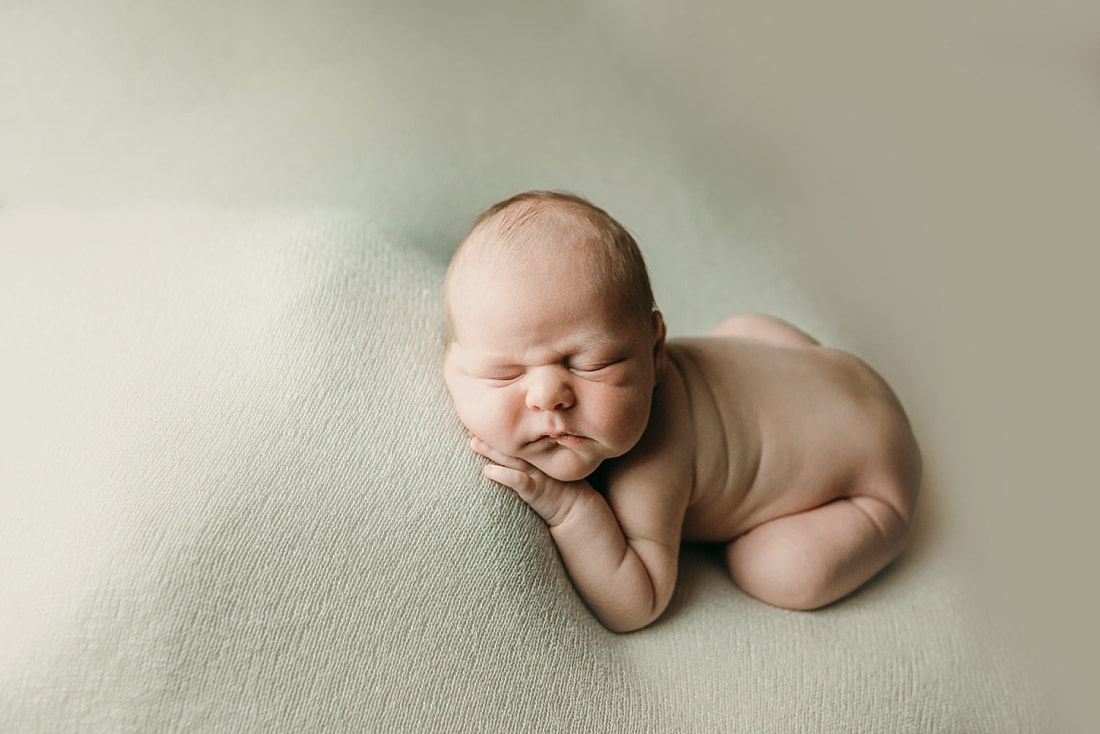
point(233, 496)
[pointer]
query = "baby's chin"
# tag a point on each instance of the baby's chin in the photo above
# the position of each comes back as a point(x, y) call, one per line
point(571, 468)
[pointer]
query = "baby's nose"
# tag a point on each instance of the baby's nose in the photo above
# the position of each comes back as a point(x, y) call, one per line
point(548, 391)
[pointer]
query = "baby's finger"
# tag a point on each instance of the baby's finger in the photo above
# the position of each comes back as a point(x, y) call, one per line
point(514, 479)
point(484, 449)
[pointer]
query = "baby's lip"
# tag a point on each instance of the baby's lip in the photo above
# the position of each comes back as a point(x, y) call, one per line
point(565, 436)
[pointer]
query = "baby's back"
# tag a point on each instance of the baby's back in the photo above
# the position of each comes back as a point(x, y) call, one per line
point(782, 429)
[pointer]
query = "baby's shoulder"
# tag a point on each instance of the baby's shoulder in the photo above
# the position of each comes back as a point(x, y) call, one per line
point(710, 359)
point(705, 362)
point(693, 355)
point(744, 378)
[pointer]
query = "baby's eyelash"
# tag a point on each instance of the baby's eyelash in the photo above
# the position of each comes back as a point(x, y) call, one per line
point(594, 367)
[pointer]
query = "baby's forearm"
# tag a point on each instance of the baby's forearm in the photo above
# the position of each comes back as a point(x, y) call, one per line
point(606, 567)
point(626, 581)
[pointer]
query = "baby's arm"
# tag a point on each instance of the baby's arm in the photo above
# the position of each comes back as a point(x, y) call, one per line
point(625, 571)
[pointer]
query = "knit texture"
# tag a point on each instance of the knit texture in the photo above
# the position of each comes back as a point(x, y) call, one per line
point(235, 498)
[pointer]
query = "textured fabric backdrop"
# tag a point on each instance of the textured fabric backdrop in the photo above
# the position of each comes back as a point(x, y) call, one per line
point(236, 499)
point(233, 496)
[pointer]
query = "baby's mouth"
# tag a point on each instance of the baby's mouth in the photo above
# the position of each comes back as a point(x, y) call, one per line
point(565, 439)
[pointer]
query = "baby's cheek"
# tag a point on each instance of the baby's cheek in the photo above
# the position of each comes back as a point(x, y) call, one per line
point(486, 417)
point(471, 411)
point(632, 416)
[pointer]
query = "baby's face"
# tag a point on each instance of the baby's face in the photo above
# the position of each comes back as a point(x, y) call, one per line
point(543, 371)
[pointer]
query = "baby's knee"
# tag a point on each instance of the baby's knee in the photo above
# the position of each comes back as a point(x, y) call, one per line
point(888, 497)
point(784, 575)
point(891, 516)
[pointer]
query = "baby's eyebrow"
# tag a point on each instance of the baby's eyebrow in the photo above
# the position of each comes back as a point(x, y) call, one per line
point(597, 341)
point(495, 360)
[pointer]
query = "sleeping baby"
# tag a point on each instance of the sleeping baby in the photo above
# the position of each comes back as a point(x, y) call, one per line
point(797, 457)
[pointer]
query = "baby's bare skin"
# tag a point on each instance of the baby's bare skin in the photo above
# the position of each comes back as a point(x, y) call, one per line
point(802, 454)
point(797, 457)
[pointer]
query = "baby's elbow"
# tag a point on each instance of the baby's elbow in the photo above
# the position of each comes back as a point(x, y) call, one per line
point(642, 591)
point(620, 628)
point(632, 617)
point(627, 623)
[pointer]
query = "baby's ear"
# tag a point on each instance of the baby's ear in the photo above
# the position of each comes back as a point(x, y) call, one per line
point(660, 358)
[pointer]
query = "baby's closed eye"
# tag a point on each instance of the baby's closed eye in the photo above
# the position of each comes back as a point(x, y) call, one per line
point(502, 377)
point(496, 373)
point(593, 367)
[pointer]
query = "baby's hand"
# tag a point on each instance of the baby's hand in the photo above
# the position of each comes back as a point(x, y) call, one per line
point(550, 498)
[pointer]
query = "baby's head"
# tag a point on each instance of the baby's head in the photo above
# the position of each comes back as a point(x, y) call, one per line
point(554, 345)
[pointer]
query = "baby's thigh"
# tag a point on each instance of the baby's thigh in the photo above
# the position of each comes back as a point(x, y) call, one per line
point(812, 558)
point(763, 328)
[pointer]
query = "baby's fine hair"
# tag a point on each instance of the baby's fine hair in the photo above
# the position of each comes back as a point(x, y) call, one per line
point(615, 261)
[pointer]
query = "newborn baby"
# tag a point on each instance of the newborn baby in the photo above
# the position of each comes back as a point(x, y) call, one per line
point(797, 457)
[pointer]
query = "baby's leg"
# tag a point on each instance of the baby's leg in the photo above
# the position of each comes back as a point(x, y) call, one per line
point(812, 558)
point(763, 328)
